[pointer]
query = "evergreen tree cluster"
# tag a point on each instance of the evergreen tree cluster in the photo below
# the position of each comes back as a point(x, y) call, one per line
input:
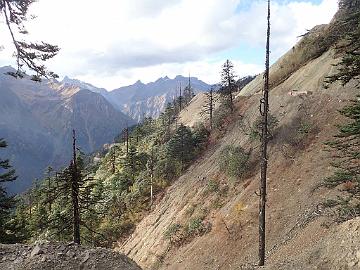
point(97, 202)
point(114, 193)
point(7, 203)
point(346, 144)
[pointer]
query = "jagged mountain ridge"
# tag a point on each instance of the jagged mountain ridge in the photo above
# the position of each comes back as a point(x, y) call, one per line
point(140, 99)
point(36, 120)
point(150, 99)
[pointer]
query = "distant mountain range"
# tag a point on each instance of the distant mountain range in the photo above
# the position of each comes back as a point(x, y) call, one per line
point(144, 100)
point(36, 119)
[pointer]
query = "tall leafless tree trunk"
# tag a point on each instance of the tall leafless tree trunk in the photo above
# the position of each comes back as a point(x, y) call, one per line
point(126, 139)
point(209, 106)
point(75, 194)
point(230, 88)
point(151, 165)
point(264, 109)
point(180, 98)
point(113, 160)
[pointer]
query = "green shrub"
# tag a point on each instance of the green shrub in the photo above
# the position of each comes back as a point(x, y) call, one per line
point(197, 227)
point(219, 116)
point(167, 169)
point(172, 231)
point(212, 186)
point(305, 128)
point(200, 136)
point(256, 130)
point(234, 161)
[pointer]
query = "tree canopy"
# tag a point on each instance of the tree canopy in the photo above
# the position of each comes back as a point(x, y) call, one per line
point(29, 55)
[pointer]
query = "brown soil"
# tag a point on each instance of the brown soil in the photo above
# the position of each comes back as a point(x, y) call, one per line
point(296, 237)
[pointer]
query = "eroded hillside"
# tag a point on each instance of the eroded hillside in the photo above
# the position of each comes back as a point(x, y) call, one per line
point(307, 115)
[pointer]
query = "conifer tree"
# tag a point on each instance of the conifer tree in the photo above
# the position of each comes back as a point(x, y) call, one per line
point(349, 66)
point(346, 145)
point(188, 92)
point(131, 163)
point(181, 145)
point(228, 83)
point(7, 203)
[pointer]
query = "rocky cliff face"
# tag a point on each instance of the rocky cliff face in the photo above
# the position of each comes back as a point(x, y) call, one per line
point(139, 100)
point(36, 120)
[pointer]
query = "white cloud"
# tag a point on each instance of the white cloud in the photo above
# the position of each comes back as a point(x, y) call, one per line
point(111, 43)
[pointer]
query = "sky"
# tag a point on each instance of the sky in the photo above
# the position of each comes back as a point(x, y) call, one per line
point(113, 43)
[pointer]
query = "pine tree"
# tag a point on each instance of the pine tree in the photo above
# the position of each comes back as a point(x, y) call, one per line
point(349, 66)
point(346, 145)
point(181, 145)
point(228, 83)
point(71, 194)
point(188, 93)
point(28, 54)
point(134, 163)
point(180, 99)
point(7, 203)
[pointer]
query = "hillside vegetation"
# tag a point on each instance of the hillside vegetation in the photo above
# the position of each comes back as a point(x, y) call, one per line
point(181, 191)
point(206, 197)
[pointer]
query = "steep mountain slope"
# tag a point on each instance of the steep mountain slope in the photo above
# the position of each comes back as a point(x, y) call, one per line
point(150, 99)
point(297, 163)
point(36, 120)
point(83, 85)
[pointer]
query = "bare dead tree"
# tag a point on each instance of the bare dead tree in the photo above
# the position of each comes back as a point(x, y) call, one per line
point(264, 110)
point(150, 166)
point(209, 106)
point(113, 160)
point(126, 139)
point(180, 98)
point(75, 194)
point(188, 92)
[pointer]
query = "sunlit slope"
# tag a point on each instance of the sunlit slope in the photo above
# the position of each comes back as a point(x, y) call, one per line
point(297, 163)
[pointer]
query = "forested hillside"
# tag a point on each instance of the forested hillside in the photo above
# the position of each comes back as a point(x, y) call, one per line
point(182, 190)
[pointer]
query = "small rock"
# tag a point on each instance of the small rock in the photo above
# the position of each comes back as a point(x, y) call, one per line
point(4, 259)
point(70, 253)
point(36, 251)
point(86, 257)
